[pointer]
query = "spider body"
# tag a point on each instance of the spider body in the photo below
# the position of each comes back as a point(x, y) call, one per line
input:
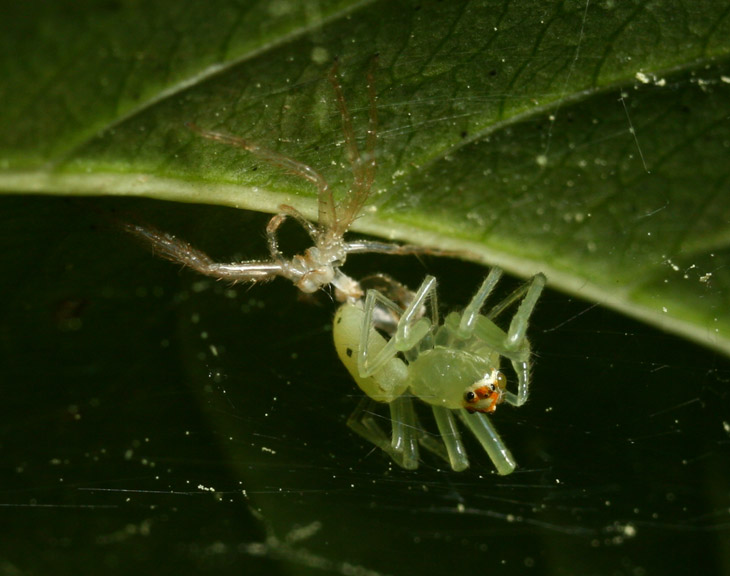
point(391, 341)
point(453, 366)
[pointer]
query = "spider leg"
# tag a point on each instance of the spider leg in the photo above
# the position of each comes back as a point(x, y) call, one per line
point(516, 347)
point(471, 312)
point(538, 281)
point(487, 435)
point(171, 248)
point(404, 441)
point(522, 369)
point(363, 169)
point(272, 239)
point(519, 323)
point(368, 365)
point(290, 211)
point(411, 329)
point(455, 451)
point(390, 287)
point(361, 421)
point(272, 229)
point(385, 320)
point(447, 445)
point(353, 153)
point(327, 216)
point(414, 326)
point(375, 247)
point(402, 447)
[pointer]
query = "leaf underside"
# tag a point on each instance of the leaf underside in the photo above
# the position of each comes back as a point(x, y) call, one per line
point(585, 140)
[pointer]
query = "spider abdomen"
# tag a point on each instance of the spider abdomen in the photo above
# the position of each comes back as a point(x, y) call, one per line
point(387, 383)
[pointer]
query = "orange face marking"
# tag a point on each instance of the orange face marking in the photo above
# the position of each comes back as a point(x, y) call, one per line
point(485, 398)
point(482, 395)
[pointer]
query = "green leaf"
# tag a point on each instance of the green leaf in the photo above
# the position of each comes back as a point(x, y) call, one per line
point(156, 421)
point(584, 140)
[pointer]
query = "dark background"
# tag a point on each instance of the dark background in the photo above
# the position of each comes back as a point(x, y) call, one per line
point(156, 421)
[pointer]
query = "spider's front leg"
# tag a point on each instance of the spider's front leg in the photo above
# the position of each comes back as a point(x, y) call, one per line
point(516, 343)
point(471, 313)
point(176, 250)
point(483, 430)
point(520, 321)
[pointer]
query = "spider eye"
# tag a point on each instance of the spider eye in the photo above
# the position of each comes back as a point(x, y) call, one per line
point(470, 396)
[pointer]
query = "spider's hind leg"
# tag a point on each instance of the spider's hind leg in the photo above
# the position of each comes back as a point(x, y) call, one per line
point(402, 447)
